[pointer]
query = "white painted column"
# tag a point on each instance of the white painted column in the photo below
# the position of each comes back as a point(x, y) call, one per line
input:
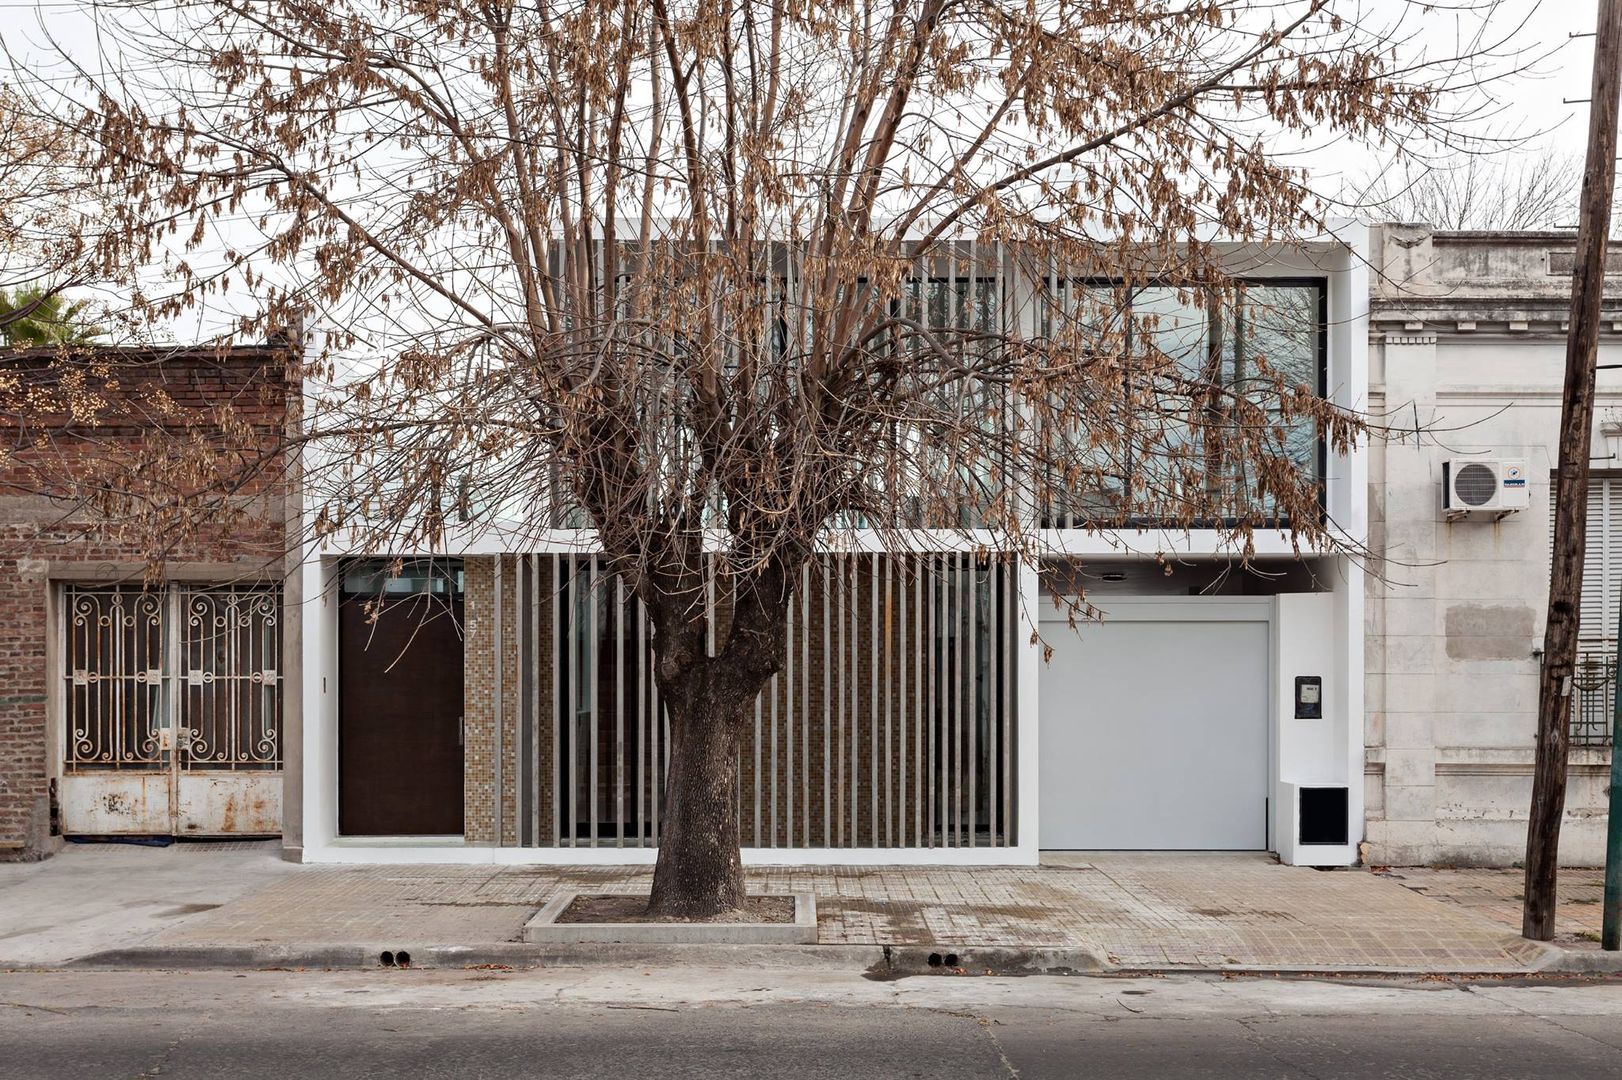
point(1028, 669)
point(1402, 618)
point(318, 697)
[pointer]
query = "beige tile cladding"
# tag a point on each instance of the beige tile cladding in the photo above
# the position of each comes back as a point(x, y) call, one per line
point(873, 767)
point(479, 690)
point(478, 700)
point(511, 704)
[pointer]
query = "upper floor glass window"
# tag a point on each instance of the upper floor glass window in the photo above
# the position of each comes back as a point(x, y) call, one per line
point(1186, 357)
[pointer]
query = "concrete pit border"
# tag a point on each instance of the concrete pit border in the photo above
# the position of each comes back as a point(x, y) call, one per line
point(544, 929)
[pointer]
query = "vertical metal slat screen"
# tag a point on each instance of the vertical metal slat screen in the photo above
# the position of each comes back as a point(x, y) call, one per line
point(890, 724)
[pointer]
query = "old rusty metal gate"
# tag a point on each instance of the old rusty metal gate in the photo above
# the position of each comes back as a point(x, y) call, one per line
point(172, 710)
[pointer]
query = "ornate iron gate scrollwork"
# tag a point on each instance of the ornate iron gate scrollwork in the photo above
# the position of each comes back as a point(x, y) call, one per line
point(188, 676)
point(229, 706)
point(1593, 689)
point(171, 710)
point(115, 679)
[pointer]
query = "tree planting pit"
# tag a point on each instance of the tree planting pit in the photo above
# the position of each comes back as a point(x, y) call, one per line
point(597, 917)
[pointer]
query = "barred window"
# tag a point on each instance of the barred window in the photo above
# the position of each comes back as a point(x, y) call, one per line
point(1593, 686)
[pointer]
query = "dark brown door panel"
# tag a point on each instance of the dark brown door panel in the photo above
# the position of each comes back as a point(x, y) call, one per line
point(400, 715)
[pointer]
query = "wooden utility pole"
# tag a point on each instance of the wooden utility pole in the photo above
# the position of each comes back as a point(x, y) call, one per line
point(1571, 498)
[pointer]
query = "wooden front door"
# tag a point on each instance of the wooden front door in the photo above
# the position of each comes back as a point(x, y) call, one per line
point(400, 708)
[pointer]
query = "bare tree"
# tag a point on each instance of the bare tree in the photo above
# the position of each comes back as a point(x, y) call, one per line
point(1502, 190)
point(688, 273)
point(44, 210)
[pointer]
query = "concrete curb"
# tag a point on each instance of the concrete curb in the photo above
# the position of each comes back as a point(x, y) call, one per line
point(1343, 971)
point(874, 961)
point(1560, 961)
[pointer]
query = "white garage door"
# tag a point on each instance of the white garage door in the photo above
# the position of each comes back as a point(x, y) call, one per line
point(1154, 735)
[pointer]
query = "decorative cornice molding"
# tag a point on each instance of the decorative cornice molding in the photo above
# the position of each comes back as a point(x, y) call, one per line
point(1496, 761)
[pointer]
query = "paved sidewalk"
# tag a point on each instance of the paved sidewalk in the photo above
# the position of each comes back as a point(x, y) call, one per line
point(1200, 911)
point(1131, 910)
point(93, 897)
point(1496, 894)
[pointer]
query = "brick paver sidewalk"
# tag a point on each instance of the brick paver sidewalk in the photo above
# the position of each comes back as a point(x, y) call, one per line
point(1496, 894)
point(1140, 910)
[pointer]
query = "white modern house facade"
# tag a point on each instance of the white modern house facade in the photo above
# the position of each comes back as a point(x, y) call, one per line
point(1218, 703)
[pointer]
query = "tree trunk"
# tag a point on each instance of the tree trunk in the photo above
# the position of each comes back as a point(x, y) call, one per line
point(700, 871)
point(1571, 496)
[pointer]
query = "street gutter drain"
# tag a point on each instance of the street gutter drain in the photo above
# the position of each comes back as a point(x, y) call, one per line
point(386, 959)
point(402, 958)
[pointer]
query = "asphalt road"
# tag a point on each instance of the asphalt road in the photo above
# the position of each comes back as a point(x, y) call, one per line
point(787, 1024)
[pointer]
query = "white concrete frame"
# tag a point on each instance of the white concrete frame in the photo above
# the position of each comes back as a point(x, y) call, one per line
point(1309, 634)
point(1340, 258)
point(323, 844)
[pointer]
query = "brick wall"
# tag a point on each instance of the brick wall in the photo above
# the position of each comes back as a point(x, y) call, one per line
point(24, 802)
point(45, 538)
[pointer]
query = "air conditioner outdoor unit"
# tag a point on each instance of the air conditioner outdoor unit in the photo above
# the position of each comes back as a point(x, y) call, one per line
point(1480, 486)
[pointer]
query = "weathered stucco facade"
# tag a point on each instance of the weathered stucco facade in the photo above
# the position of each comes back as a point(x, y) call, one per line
point(1467, 344)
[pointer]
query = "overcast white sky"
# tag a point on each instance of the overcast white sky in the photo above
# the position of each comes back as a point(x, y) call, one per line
point(1537, 100)
point(1533, 105)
